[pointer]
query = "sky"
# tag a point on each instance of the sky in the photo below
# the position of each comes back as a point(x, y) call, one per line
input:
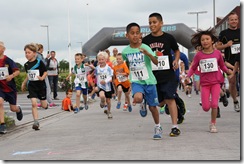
point(79, 20)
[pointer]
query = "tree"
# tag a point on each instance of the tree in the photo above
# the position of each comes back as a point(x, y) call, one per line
point(21, 68)
point(63, 65)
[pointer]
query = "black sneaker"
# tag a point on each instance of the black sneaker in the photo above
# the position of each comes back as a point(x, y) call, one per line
point(218, 113)
point(3, 129)
point(19, 114)
point(225, 100)
point(180, 120)
point(166, 109)
point(174, 132)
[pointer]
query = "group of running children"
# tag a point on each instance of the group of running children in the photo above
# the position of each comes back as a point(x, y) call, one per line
point(145, 68)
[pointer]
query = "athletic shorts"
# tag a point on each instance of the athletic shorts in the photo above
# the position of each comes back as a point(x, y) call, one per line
point(83, 90)
point(123, 88)
point(40, 93)
point(107, 94)
point(149, 92)
point(10, 97)
point(166, 90)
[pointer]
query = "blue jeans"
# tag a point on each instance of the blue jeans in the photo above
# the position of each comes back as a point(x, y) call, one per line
point(53, 81)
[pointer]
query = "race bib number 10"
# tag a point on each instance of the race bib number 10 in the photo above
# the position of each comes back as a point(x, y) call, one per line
point(3, 73)
point(163, 63)
point(32, 75)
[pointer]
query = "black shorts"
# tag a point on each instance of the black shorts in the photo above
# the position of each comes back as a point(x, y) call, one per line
point(166, 90)
point(40, 93)
point(107, 94)
point(10, 97)
point(123, 88)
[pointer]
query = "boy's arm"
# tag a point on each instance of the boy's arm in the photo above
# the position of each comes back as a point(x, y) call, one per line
point(176, 61)
point(24, 84)
point(13, 75)
point(153, 59)
point(43, 76)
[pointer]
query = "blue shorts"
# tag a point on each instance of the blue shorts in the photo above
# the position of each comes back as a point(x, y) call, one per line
point(167, 90)
point(10, 97)
point(149, 92)
point(83, 90)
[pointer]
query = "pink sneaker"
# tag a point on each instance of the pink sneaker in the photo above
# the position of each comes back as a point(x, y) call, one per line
point(52, 105)
point(38, 105)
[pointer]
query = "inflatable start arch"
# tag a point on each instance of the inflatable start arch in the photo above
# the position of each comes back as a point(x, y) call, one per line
point(109, 36)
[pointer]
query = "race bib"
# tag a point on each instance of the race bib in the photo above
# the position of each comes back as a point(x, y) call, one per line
point(32, 75)
point(122, 78)
point(139, 73)
point(235, 48)
point(3, 73)
point(102, 76)
point(82, 77)
point(163, 63)
point(208, 65)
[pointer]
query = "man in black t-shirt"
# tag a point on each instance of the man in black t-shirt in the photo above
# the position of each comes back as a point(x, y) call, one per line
point(229, 41)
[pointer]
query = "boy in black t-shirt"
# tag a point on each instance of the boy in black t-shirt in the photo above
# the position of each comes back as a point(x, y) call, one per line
point(162, 43)
point(36, 73)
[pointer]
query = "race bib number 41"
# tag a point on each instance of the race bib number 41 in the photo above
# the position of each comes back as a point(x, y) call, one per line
point(208, 65)
point(32, 75)
point(3, 73)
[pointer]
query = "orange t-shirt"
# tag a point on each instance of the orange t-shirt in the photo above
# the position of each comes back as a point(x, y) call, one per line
point(121, 68)
point(65, 103)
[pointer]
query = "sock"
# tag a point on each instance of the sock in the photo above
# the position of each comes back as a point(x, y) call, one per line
point(158, 125)
point(213, 121)
point(174, 126)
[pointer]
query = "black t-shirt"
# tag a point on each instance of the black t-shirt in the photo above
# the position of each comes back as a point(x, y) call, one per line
point(224, 37)
point(36, 85)
point(164, 44)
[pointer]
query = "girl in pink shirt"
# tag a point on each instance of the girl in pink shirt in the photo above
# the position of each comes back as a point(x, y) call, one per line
point(210, 63)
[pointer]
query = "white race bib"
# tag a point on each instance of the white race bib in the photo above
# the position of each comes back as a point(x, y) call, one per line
point(102, 76)
point(3, 73)
point(32, 75)
point(163, 63)
point(235, 48)
point(122, 78)
point(208, 65)
point(139, 73)
point(82, 77)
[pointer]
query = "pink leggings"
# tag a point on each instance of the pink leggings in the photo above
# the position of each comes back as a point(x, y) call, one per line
point(207, 101)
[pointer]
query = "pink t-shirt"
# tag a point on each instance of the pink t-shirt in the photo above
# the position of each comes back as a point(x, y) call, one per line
point(206, 62)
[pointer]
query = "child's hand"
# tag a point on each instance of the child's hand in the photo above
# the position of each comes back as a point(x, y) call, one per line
point(23, 87)
point(143, 51)
point(40, 78)
point(103, 82)
point(9, 78)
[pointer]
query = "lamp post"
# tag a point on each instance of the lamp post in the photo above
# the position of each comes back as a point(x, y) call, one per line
point(197, 13)
point(46, 26)
point(80, 46)
point(214, 13)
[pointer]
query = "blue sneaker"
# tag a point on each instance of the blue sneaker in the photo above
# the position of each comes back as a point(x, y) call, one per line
point(118, 105)
point(158, 133)
point(76, 110)
point(143, 110)
point(129, 108)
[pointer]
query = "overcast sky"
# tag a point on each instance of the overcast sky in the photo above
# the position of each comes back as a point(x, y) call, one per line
point(21, 20)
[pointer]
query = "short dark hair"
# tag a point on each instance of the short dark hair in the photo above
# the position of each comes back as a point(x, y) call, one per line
point(128, 27)
point(157, 15)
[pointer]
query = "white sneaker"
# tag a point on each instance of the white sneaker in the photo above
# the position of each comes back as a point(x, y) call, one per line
point(237, 106)
point(213, 128)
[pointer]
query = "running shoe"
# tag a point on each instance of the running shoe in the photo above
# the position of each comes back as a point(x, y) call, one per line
point(125, 107)
point(86, 107)
point(51, 105)
point(76, 110)
point(118, 105)
point(143, 110)
point(81, 108)
point(129, 108)
point(39, 105)
point(19, 114)
point(109, 115)
point(225, 100)
point(157, 133)
point(174, 132)
point(212, 128)
point(236, 106)
point(36, 125)
point(180, 120)
point(3, 129)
